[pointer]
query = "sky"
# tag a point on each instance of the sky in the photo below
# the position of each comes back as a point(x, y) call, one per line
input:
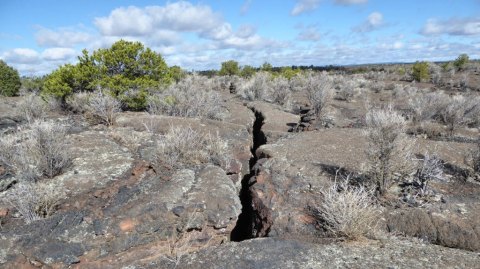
point(38, 36)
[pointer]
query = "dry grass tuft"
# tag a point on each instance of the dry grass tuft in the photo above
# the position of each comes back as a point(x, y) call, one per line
point(186, 146)
point(348, 211)
point(38, 151)
point(33, 201)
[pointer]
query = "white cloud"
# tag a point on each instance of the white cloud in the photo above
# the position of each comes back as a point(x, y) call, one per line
point(416, 46)
point(393, 46)
point(130, 21)
point(373, 22)
point(163, 26)
point(163, 37)
point(60, 38)
point(21, 56)
point(245, 31)
point(221, 32)
point(178, 16)
point(456, 27)
point(248, 43)
point(303, 6)
point(30, 62)
point(58, 54)
point(350, 2)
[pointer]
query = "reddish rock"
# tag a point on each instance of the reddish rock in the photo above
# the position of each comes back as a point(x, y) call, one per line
point(4, 212)
point(127, 225)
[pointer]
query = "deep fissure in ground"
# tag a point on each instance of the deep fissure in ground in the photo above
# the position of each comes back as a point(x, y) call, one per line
point(245, 224)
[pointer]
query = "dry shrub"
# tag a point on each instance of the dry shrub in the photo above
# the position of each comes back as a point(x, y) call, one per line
point(461, 111)
point(435, 73)
point(399, 91)
point(33, 201)
point(473, 158)
point(472, 111)
point(454, 112)
point(31, 108)
point(377, 86)
point(37, 151)
point(464, 81)
point(281, 92)
point(346, 91)
point(476, 158)
point(262, 86)
point(53, 104)
point(191, 97)
point(319, 92)
point(47, 147)
point(389, 153)
point(103, 107)
point(348, 211)
point(258, 87)
point(426, 107)
point(78, 102)
point(8, 144)
point(376, 75)
point(99, 106)
point(430, 168)
point(186, 146)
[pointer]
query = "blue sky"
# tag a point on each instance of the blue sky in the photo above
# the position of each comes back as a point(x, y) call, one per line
point(38, 36)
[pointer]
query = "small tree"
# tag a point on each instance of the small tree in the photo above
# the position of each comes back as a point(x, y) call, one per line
point(461, 61)
point(420, 71)
point(229, 68)
point(60, 83)
point(127, 69)
point(177, 73)
point(289, 72)
point(247, 71)
point(267, 67)
point(9, 80)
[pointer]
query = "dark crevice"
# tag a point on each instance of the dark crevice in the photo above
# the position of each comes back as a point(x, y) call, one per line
point(244, 228)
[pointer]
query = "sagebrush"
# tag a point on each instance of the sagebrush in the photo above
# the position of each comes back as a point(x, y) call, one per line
point(190, 97)
point(348, 211)
point(33, 201)
point(186, 146)
point(37, 151)
point(389, 152)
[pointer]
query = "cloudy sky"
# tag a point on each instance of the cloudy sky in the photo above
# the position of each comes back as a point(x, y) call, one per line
point(37, 36)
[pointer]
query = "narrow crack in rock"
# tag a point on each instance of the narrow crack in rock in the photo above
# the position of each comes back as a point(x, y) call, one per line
point(244, 229)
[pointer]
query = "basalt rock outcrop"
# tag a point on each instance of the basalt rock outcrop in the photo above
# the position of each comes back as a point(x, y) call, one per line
point(289, 173)
point(120, 210)
point(278, 253)
point(307, 120)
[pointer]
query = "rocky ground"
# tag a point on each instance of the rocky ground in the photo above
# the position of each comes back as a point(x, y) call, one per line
point(121, 210)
